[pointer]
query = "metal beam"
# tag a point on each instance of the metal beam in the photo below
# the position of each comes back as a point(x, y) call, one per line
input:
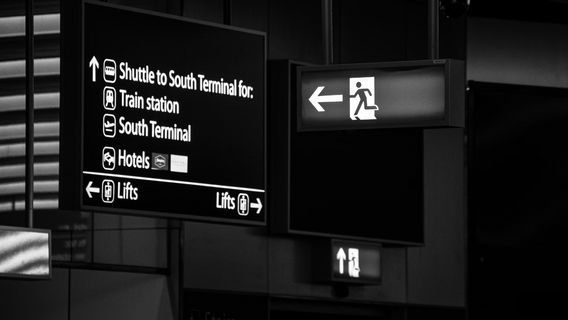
point(29, 189)
point(327, 30)
point(433, 29)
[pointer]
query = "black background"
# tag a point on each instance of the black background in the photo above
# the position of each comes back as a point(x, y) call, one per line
point(518, 186)
point(227, 146)
point(359, 183)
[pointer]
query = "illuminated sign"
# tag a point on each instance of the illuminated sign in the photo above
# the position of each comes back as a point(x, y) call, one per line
point(171, 117)
point(351, 262)
point(381, 95)
point(25, 253)
point(356, 262)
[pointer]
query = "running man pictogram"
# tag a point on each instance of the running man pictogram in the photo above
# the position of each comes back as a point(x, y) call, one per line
point(362, 95)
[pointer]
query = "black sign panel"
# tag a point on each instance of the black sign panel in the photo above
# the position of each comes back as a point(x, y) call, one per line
point(353, 184)
point(355, 262)
point(381, 95)
point(173, 118)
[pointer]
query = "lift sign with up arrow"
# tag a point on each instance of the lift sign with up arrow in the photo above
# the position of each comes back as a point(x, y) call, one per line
point(355, 262)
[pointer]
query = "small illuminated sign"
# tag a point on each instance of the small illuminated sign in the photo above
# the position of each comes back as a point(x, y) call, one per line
point(381, 95)
point(355, 262)
point(25, 253)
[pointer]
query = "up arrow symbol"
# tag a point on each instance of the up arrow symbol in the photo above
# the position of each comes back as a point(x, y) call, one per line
point(94, 65)
point(341, 257)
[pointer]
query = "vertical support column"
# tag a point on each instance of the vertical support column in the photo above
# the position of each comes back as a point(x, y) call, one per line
point(176, 258)
point(227, 12)
point(433, 29)
point(327, 30)
point(181, 267)
point(29, 188)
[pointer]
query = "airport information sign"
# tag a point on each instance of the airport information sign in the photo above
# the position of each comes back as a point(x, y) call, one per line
point(173, 116)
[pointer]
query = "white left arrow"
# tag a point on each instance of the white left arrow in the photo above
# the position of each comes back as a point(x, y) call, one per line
point(316, 99)
point(94, 65)
point(90, 189)
point(257, 205)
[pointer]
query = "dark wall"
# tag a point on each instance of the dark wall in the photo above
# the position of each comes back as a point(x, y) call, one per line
point(380, 31)
point(517, 52)
point(84, 294)
point(436, 272)
point(517, 201)
point(48, 298)
point(516, 197)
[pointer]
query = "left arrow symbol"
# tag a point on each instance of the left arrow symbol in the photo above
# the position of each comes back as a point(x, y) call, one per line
point(90, 189)
point(94, 65)
point(316, 99)
point(257, 205)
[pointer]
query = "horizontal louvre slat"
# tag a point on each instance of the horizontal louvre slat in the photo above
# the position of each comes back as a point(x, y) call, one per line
point(17, 68)
point(18, 170)
point(19, 149)
point(18, 131)
point(39, 204)
point(16, 26)
point(18, 102)
point(18, 188)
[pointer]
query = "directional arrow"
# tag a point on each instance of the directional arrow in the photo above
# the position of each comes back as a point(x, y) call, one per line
point(90, 189)
point(316, 99)
point(257, 205)
point(94, 65)
point(341, 257)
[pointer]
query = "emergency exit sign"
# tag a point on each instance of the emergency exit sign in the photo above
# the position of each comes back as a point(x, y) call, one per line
point(425, 93)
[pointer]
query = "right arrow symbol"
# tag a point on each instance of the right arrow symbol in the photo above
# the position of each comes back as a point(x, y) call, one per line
point(257, 205)
point(341, 257)
point(316, 99)
point(94, 65)
point(90, 189)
